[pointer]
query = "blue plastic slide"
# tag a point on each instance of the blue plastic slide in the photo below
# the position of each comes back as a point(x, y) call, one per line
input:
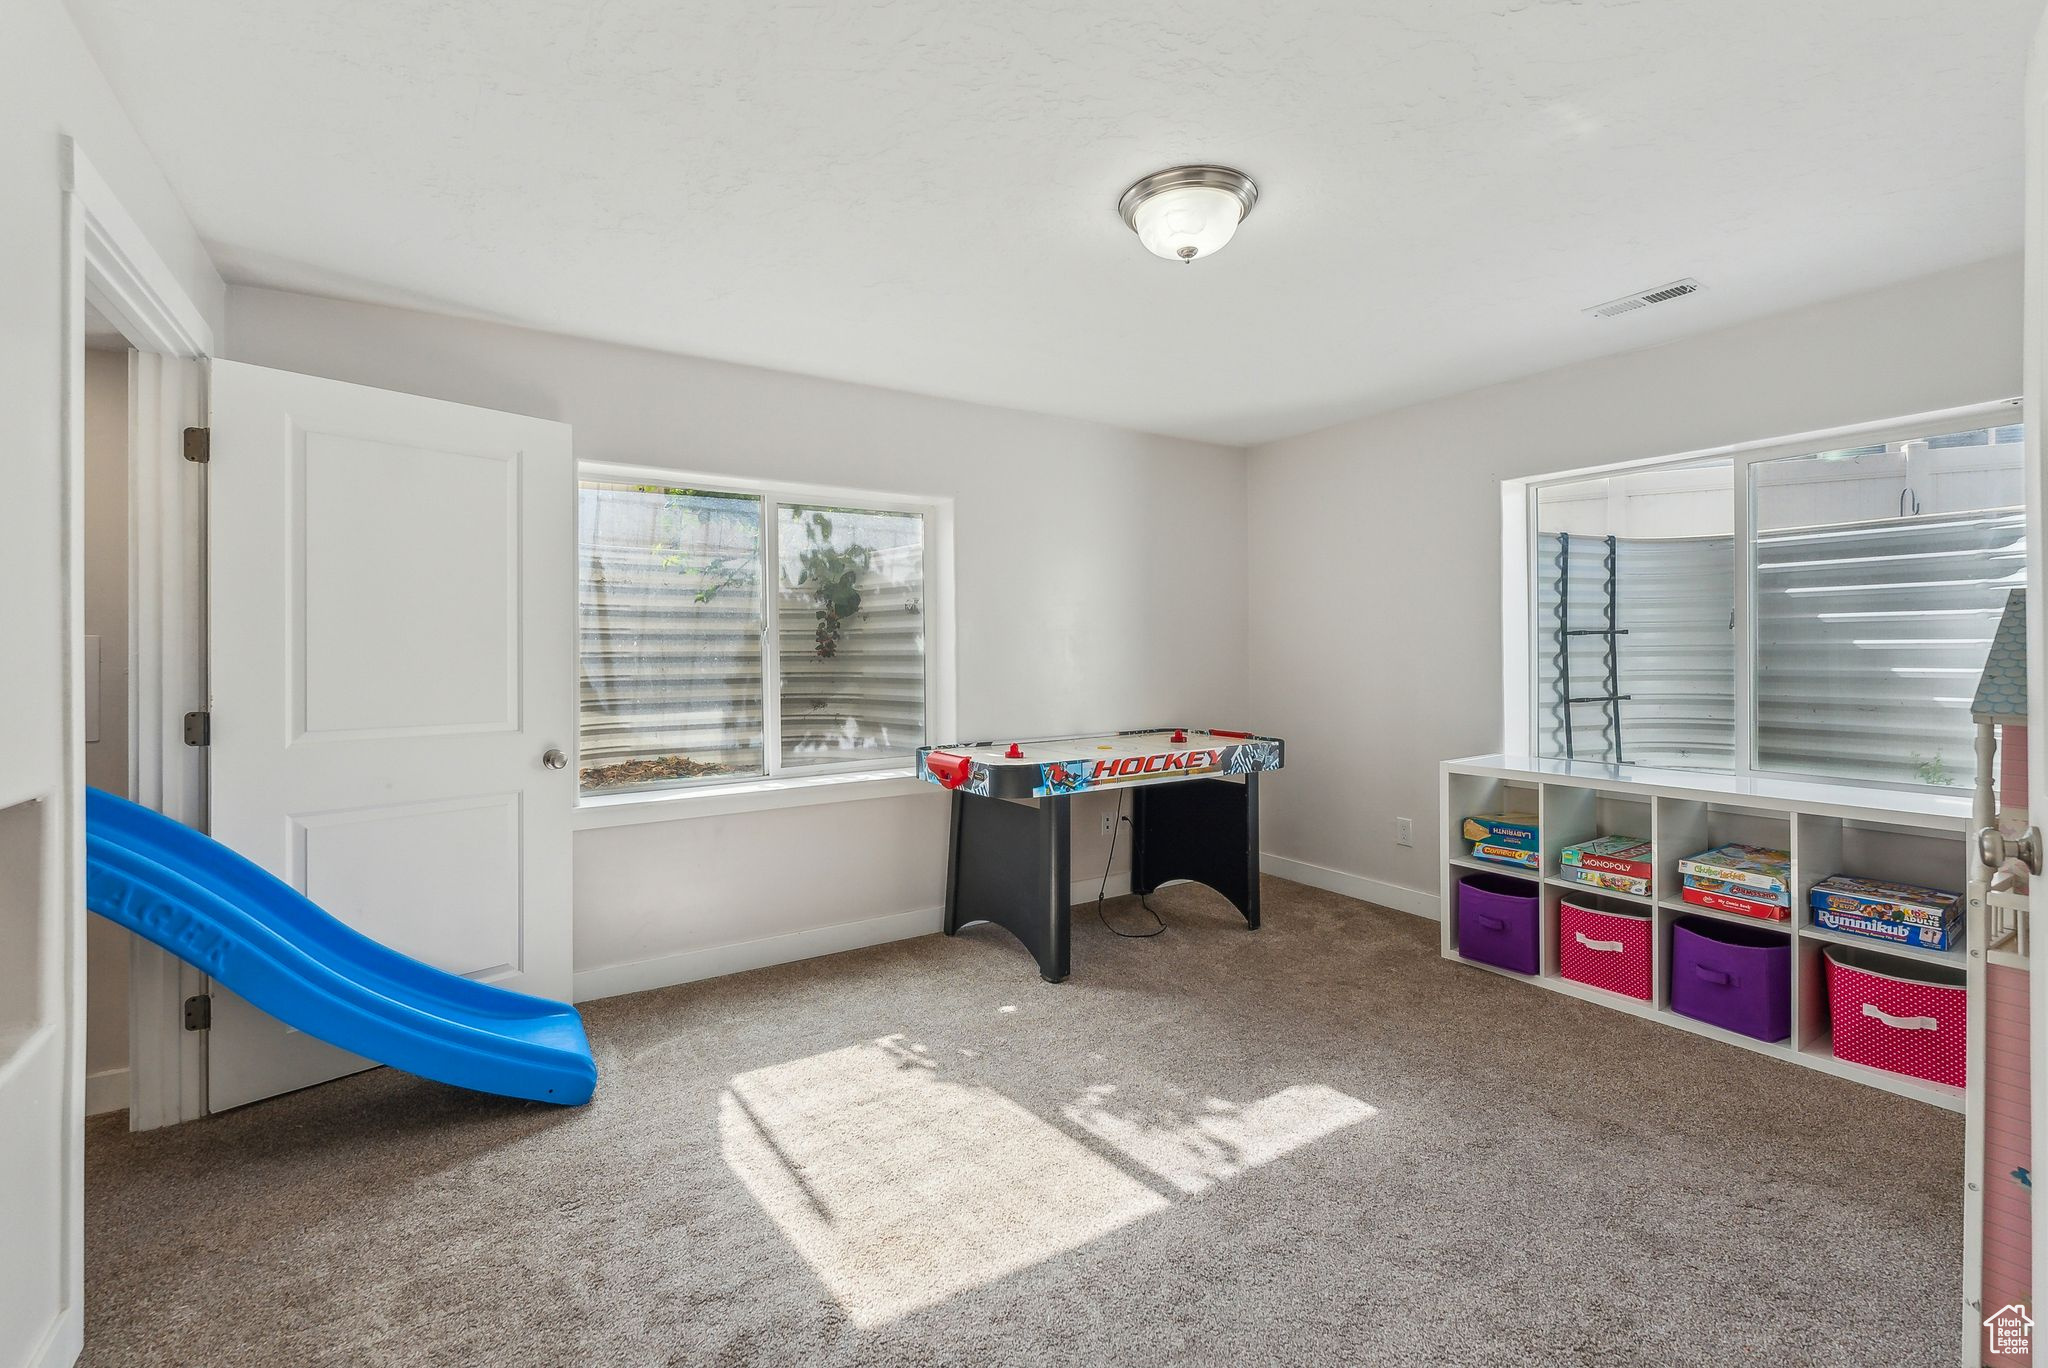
point(265, 941)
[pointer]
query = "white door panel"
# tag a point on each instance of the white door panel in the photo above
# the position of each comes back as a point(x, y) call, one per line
point(459, 857)
point(392, 591)
point(407, 613)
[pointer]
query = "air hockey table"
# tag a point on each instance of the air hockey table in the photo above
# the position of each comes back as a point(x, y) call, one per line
point(1194, 815)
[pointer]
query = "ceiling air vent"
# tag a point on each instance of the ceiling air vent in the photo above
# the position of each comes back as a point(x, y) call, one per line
point(1643, 299)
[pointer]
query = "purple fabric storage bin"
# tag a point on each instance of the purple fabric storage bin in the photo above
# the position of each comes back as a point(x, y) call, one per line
point(1736, 977)
point(1498, 921)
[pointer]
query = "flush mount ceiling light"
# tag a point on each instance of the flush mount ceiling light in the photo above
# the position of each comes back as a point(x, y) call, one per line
point(1186, 212)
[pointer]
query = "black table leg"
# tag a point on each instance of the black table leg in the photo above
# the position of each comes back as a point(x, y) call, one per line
point(1009, 864)
point(1206, 830)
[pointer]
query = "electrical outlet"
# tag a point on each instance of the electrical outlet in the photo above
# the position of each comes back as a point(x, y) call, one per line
point(1404, 831)
point(1108, 822)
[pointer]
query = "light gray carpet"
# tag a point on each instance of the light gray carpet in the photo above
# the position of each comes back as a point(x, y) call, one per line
point(1317, 1143)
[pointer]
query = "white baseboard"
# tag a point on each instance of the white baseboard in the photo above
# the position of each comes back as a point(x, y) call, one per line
point(688, 966)
point(1377, 891)
point(106, 1091)
point(1086, 891)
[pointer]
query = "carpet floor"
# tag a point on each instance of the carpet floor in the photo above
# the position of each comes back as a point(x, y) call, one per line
point(1315, 1144)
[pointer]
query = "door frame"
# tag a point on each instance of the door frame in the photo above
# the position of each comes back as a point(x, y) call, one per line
point(111, 265)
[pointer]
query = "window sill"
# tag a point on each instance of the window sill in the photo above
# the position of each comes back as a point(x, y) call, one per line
point(752, 795)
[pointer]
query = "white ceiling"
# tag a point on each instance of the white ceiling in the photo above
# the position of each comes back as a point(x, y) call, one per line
point(920, 194)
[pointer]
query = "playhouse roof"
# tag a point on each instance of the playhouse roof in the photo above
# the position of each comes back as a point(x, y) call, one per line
point(2002, 692)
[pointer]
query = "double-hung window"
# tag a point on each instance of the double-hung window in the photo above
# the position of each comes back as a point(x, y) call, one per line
point(1819, 608)
point(732, 633)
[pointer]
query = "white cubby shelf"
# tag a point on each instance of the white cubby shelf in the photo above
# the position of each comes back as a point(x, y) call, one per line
point(1918, 837)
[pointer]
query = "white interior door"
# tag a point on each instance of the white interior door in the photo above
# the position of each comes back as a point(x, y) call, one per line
point(391, 590)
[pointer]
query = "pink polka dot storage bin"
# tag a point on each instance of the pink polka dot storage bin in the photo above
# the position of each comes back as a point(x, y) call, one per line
point(1604, 948)
point(1897, 1015)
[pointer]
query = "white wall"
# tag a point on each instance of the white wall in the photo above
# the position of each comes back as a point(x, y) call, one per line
point(52, 89)
point(106, 759)
point(1375, 546)
point(106, 561)
point(1100, 583)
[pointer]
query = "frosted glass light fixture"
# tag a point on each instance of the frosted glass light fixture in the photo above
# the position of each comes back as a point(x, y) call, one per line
point(1186, 212)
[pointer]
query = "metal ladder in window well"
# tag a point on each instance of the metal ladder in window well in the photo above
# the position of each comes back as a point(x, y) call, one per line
point(1562, 634)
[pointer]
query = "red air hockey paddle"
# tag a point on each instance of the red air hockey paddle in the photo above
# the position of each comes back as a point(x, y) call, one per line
point(950, 770)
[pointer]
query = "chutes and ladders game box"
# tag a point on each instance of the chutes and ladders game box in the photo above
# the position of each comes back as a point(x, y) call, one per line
point(1756, 873)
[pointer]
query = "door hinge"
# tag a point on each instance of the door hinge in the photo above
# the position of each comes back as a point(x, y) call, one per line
point(199, 1012)
point(199, 445)
point(198, 728)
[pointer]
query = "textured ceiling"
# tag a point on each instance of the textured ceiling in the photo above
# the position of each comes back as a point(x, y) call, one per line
point(921, 194)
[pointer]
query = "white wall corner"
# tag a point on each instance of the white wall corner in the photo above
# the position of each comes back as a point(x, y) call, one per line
point(65, 1343)
point(106, 1091)
point(1375, 891)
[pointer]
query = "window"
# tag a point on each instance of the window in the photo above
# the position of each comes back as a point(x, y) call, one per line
point(1811, 612)
point(731, 633)
point(1635, 605)
point(1880, 575)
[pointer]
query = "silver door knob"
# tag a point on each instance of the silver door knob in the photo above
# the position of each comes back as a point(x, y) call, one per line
point(554, 759)
point(1994, 847)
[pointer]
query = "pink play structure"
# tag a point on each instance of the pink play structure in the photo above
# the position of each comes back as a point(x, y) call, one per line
point(1998, 1223)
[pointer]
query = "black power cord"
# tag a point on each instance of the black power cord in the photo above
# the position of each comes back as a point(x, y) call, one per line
point(1144, 899)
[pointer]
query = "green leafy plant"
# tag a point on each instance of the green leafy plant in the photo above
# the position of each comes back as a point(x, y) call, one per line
point(832, 574)
point(685, 514)
point(1932, 770)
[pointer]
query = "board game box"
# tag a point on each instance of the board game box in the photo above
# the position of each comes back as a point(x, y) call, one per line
point(1507, 855)
point(1510, 830)
point(1600, 878)
point(1885, 900)
point(1889, 929)
point(1628, 855)
point(1700, 883)
point(1729, 902)
point(1766, 873)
